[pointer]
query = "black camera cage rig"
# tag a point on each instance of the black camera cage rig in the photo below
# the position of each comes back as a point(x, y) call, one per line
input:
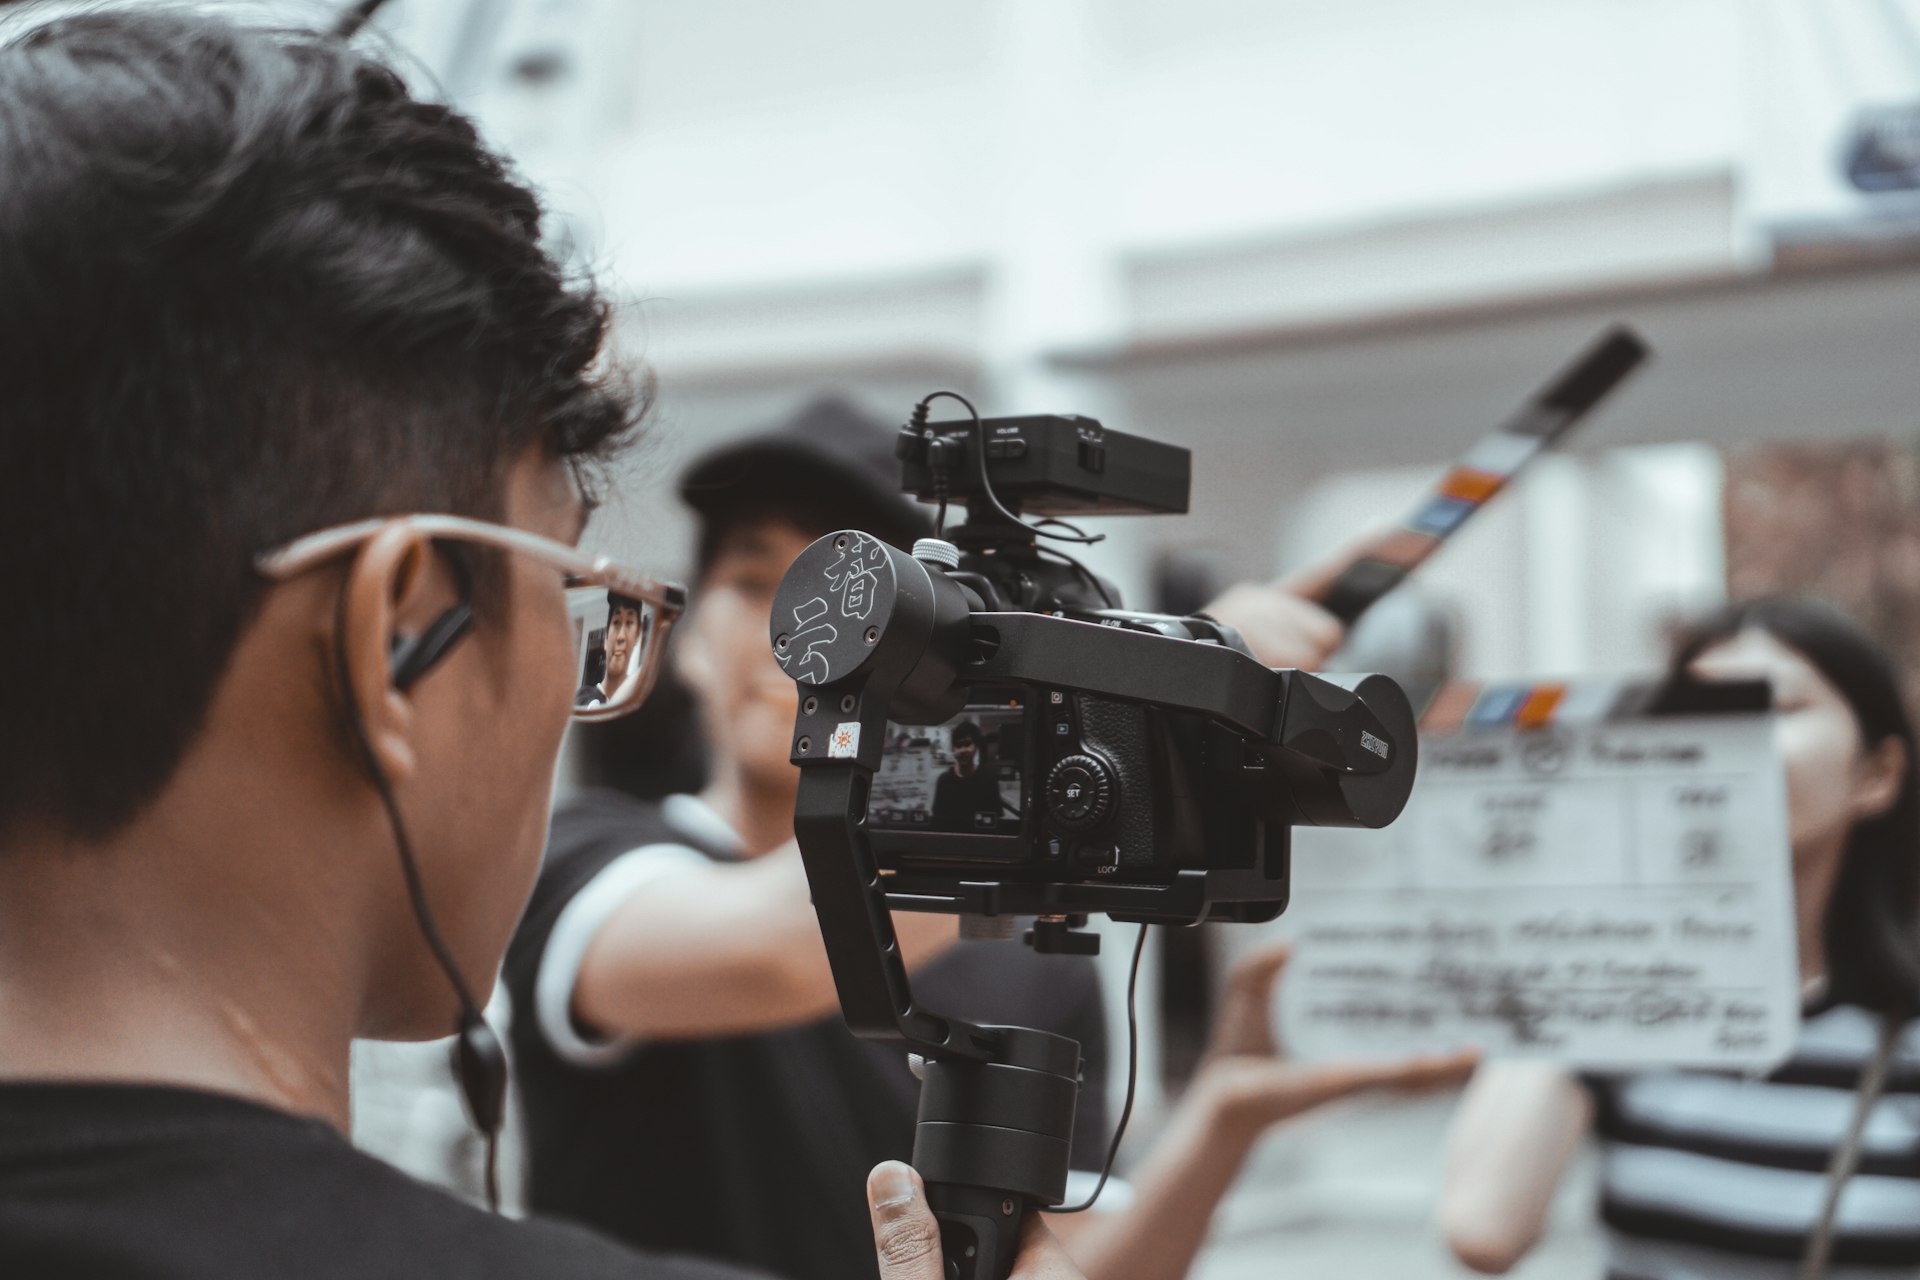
point(873, 636)
point(905, 662)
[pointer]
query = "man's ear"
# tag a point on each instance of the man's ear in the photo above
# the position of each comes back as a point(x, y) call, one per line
point(1882, 776)
point(387, 575)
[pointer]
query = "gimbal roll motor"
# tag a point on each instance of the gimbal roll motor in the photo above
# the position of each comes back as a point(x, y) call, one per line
point(1140, 766)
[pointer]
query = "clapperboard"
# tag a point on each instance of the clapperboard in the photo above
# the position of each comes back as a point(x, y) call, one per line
point(1596, 873)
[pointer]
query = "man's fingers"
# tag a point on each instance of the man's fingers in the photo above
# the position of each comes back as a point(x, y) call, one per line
point(1245, 1024)
point(1254, 973)
point(1041, 1256)
point(1282, 628)
point(1432, 1071)
point(1313, 580)
point(905, 1234)
point(1428, 1071)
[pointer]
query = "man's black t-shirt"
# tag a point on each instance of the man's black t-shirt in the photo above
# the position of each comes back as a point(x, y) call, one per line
point(752, 1148)
point(149, 1181)
point(958, 801)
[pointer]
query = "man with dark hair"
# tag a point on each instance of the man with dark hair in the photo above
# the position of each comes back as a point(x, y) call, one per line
point(619, 644)
point(966, 797)
point(288, 375)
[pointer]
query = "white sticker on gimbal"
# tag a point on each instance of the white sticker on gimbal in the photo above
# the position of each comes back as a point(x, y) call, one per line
point(845, 743)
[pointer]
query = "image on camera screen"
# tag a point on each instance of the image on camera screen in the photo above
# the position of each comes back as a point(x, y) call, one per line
point(960, 778)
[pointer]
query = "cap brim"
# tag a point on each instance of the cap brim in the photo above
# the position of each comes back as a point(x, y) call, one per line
point(734, 473)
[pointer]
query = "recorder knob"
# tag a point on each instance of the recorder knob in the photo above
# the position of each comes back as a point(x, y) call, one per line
point(1079, 792)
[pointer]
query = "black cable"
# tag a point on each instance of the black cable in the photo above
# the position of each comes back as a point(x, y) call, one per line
point(1133, 1078)
point(1092, 579)
point(1046, 521)
point(410, 871)
point(470, 1013)
point(493, 1168)
point(980, 465)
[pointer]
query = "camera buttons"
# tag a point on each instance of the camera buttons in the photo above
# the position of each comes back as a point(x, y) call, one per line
point(1079, 792)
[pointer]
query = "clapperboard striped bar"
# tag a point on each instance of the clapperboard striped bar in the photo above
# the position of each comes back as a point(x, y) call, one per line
point(1485, 469)
point(1467, 704)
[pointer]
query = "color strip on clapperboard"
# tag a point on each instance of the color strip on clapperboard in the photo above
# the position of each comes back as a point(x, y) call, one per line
point(1484, 470)
point(1468, 704)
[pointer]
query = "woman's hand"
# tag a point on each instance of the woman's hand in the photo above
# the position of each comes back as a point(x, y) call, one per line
point(1253, 1085)
point(1244, 1087)
point(907, 1236)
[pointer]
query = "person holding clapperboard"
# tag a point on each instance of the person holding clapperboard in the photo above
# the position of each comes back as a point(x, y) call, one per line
point(1706, 1175)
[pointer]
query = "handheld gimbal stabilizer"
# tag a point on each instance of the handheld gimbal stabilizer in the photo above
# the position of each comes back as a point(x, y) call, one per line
point(1167, 767)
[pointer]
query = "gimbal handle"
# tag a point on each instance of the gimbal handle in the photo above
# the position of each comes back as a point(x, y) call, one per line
point(866, 630)
point(995, 1125)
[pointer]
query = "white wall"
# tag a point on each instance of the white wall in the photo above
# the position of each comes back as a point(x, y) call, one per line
point(750, 146)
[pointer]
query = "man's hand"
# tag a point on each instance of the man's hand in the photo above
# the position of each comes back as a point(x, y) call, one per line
point(1282, 621)
point(1255, 1086)
point(907, 1237)
point(1282, 628)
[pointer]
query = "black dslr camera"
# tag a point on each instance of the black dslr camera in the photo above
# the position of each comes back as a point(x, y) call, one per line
point(1090, 755)
point(983, 729)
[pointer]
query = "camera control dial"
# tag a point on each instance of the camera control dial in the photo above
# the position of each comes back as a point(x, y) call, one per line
point(1079, 792)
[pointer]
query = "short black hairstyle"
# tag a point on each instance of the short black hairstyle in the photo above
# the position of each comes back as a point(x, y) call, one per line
point(616, 602)
point(966, 731)
point(249, 287)
point(1872, 930)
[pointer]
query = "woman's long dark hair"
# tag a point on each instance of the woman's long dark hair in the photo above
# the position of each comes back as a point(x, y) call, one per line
point(1872, 929)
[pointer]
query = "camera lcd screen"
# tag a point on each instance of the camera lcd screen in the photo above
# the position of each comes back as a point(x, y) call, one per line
point(964, 777)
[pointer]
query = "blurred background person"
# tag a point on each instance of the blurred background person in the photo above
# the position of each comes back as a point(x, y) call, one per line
point(1708, 1175)
point(677, 1026)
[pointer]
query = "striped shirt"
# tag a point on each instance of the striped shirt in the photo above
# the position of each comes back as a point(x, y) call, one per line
point(1708, 1176)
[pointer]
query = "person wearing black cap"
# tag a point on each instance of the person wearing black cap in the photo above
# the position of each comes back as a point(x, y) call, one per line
point(676, 1022)
point(290, 376)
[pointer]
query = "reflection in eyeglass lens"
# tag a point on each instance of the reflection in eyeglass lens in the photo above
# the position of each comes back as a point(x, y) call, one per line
point(612, 634)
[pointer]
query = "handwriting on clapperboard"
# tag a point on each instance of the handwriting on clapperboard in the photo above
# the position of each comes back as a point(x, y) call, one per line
point(1511, 832)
